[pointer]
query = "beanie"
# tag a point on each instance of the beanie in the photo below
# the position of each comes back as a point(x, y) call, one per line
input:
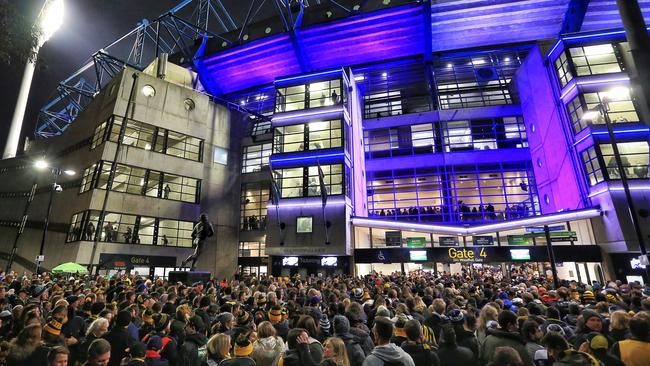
point(53, 327)
point(588, 314)
point(324, 323)
point(243, 348)
point(275, 314)
point(123, 318)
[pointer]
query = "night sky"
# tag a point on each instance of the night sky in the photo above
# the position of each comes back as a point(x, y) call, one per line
point(88, 26)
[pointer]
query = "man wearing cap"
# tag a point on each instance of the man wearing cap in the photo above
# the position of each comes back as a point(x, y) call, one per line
point(136, 355)
point(194, 340)
point(6, 322)
point(119, 337)
point(507, 335)
point(153, 355)
point(597, 345)
point(39, 294)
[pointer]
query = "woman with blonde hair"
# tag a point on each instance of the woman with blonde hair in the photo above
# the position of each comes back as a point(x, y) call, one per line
point(334, 349)
point(218, 349)
point(488, 316)
point(268, 347)
point(619, 325)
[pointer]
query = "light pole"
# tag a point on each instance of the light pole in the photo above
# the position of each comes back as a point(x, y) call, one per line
point(603, 109)
point(56, 172)
point(48, 22)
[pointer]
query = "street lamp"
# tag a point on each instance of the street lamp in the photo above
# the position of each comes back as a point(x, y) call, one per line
point(602, 109)
point(54, 187)
point(48, 22)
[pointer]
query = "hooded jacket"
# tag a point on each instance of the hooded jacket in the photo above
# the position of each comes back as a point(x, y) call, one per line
point(388, 354)
point(189, 350)
point(266, 351)
point(500, 338)
point(422, 354)
point(341, 327)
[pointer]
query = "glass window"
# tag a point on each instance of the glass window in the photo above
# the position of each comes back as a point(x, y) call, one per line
point(175, 233)
point(562, 69)
point(394, 89)
point(179, 188)
point(462, 195)
point(75, 232)
point(220, 155)
point(592, 166)
point(619, 102)
point(479, 80)
point(314, 135)
point(458, 136)
point(634, 159)
point(304, 181)
point(313, 95)
point(88, 178)
point(254, 199)
point(148, 137)
point(255, 157)
point(575, 110)
point(128, 179)
point(597, 59)
point(99, 135)
point(251, 249)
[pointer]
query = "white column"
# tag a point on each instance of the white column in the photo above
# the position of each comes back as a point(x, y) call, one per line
point(13, 139)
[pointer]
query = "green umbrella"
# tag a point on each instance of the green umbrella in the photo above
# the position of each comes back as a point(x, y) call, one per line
point(69, 267)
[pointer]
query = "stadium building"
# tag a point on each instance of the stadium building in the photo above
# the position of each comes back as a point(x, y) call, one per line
point(398, 135)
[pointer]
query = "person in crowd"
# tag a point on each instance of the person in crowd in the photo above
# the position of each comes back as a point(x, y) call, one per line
point(218, 347)
point(26, 349)
point(636, 350)
point(386, 352)
point(334, 350)
point(297, 353)
point(99, 353)
point(590, 321)
point(449, 352)
point(619, 325)
point(506, 356)
point(562, 354)
point(532, 333)
point(119, 338)
point(58, 356)
point(195, 339)
point(597, 345)
point(268, 347)
point(341, 326)
point(506, 335)
point(422, 353)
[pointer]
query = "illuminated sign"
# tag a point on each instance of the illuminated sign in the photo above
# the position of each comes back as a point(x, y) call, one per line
point(448, 241)
point(467, 254)
point(290, 261)
point(416, 242)
point(418, 255)
point(329, 261)
point(520, 254)
point(482, 240)
point(393, 238)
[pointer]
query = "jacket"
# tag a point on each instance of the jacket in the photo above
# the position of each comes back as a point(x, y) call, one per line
point(282, 329)
point(436, 321)
point(189, 350)
point(632, 352)
point(237, 361)
point(500, 338)
point(120, 341)
point(266, 351)
point(574, 358)
point(454, 355)
point(363, 338)
point(388, 354)
point(300, 356)
point(27, 356)
point(422, 354)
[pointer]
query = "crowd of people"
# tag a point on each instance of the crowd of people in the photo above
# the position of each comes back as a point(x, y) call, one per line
point(461, 212)
point(411, 319)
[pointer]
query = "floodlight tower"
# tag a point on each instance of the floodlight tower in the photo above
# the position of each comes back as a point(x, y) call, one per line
point(48, 22)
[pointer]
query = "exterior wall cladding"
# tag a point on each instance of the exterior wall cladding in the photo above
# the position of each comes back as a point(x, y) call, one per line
point(485, 126)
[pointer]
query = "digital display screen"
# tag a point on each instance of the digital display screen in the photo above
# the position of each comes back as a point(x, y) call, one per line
point(418, 255)
point(290, 261)
point(304, 224)
point(329, 261)
point(520, 254)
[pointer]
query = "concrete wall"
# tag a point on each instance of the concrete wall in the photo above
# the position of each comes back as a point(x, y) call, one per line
point(216, 125)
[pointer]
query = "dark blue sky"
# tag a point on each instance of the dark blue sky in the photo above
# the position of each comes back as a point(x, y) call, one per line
point(88, 26)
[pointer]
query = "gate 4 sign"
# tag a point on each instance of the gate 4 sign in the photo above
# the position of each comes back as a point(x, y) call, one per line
point(467, 254)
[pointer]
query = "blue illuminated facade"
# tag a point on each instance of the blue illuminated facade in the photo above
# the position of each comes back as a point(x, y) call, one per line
point(416, 122)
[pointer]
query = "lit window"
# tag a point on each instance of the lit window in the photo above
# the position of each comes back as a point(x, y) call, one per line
point(220, 155)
